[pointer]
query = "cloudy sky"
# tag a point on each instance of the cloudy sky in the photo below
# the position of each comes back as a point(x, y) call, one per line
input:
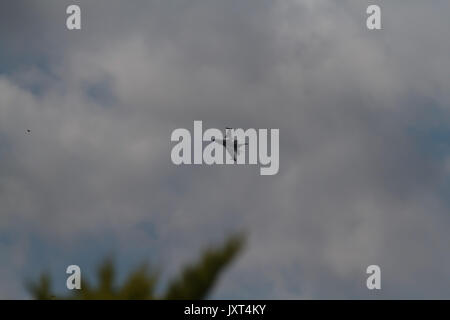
point(364, 119)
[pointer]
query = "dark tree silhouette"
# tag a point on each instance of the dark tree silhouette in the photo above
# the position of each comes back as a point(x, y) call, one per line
point(194, 283)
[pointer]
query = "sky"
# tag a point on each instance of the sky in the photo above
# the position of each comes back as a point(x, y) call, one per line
point(364, 120)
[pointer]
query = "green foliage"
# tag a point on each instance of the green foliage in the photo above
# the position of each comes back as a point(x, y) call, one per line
point(139, 285)
point(195, 281)
point(42, 289)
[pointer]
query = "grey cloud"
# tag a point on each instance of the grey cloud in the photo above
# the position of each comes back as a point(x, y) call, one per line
point(354, 188)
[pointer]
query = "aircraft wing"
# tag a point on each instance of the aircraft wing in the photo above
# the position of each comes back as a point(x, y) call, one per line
point(230, 150)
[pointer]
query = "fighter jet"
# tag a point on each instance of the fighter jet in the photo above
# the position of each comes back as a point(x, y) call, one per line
point(230, 144)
